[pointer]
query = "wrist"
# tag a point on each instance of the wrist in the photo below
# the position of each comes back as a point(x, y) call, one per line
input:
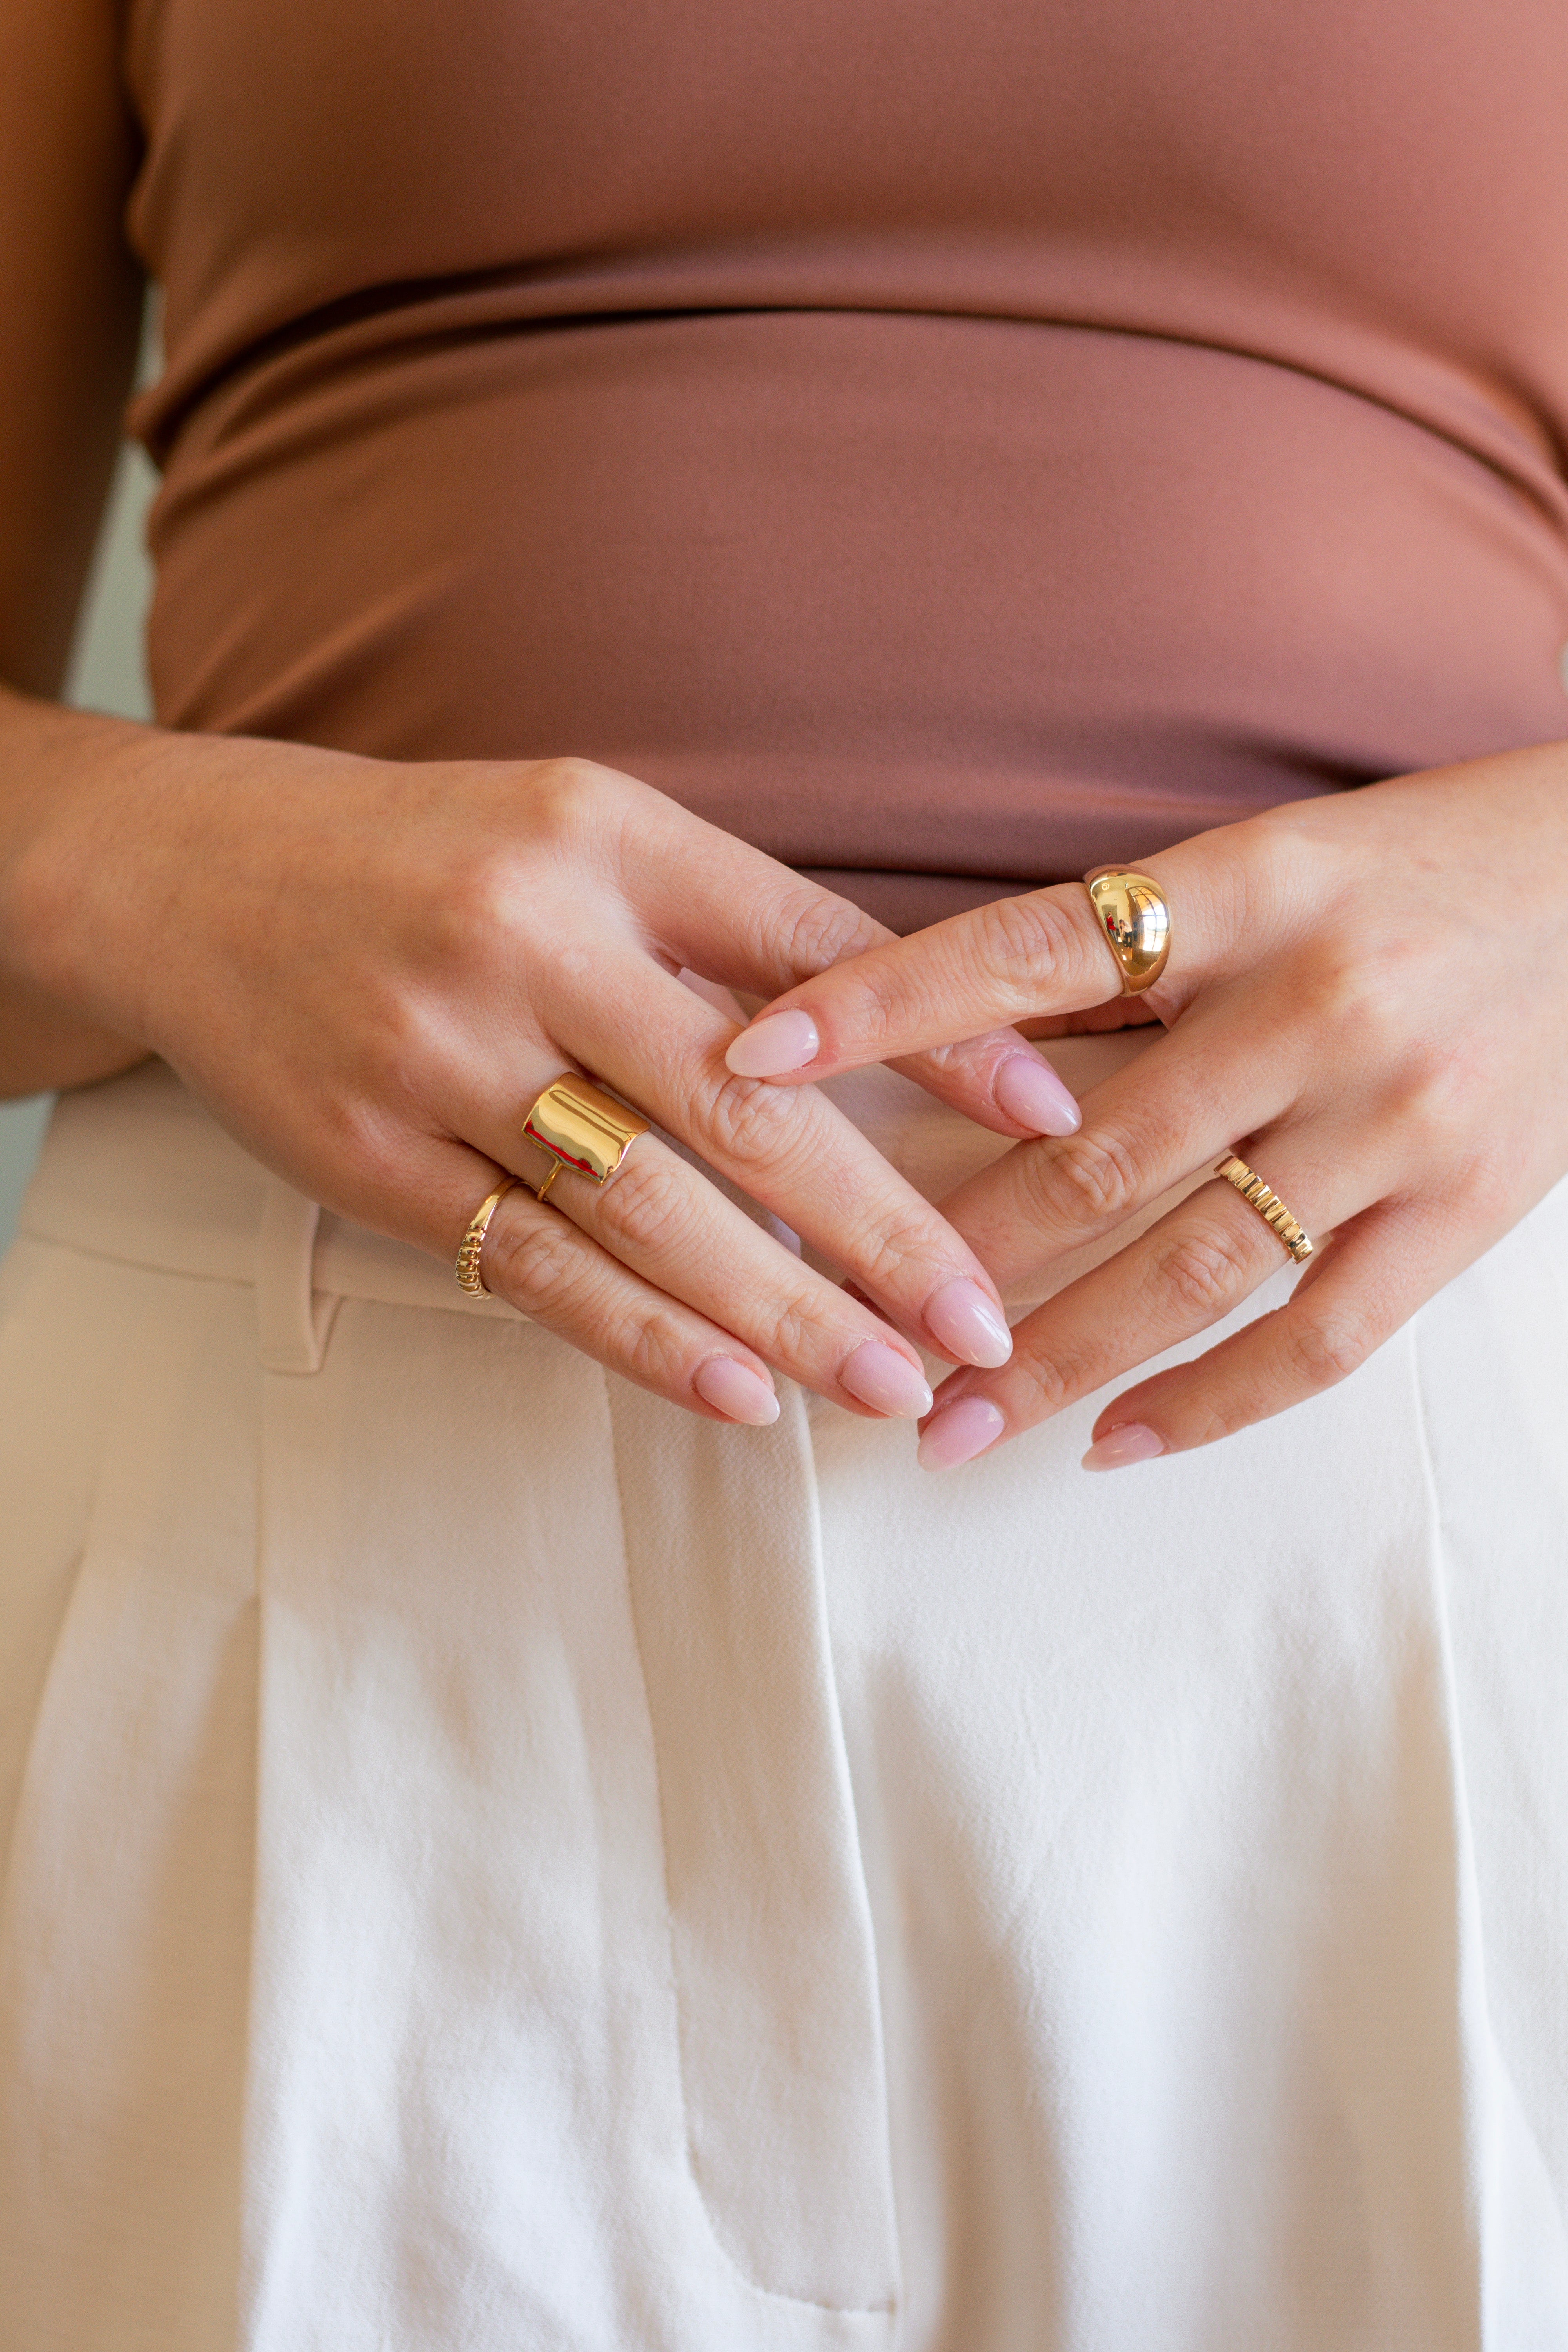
point(65, 777)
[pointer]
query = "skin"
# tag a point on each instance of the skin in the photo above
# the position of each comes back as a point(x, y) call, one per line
point(1363, 998)
point(366, 970)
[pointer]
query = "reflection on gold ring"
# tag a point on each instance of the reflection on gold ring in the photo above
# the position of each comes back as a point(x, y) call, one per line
point(582, 1128)
point(1135, 916)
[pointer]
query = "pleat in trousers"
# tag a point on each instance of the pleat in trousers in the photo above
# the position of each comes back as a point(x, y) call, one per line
point(494, 1863)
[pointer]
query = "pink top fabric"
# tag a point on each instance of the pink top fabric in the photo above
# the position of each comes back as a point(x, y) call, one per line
point(948, 445)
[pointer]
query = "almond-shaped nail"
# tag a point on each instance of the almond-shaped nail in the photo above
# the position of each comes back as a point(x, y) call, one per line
point(959, 1432)
point(878, 1375)
point(1133, 1442)
point(1029, 1090)
point(735, 1390)
point(777, 1043)
point(969, 1325)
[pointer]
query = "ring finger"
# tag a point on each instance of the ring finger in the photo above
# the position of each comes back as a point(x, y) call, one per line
point(1189, 1271)
point(560, 1278)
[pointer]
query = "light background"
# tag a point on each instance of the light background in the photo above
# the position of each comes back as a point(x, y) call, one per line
point(108, 673)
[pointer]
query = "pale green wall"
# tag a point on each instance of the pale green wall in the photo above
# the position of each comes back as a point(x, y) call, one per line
point(107, 674)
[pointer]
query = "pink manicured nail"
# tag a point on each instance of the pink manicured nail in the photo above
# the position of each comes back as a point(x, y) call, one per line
point(968, 1324)
point(777, 1043)
point(1030, 1091)
point(878, 1375)
point(1131, 1442)
point(734, 1389)
point(959, 1432)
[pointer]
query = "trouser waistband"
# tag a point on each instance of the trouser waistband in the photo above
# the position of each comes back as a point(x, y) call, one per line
point(135, 1170)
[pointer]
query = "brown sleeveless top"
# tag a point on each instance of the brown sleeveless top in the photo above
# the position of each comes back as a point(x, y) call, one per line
point(933, 438)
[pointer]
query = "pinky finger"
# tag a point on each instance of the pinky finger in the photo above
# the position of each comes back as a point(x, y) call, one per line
point(552, 1272)
point(1373, 1275)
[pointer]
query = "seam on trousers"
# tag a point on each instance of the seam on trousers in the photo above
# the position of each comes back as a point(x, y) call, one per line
point(1483, 2094)
point(887, 2311)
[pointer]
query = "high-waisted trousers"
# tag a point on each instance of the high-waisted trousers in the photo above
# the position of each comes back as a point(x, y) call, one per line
point(495, 1864)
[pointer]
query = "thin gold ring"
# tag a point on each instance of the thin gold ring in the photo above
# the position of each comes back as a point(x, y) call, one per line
point(470, 1278)
point(1268, 1205)
point(1134, 914)
point(582, 1128)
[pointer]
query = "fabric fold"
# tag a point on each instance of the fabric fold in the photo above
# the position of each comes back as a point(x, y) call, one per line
point(770, 1928)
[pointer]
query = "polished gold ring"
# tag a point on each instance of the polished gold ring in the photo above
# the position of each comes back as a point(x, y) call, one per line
point(1135, 916)
point(469, 1248)
point(1268, 1205)
point(582, 1128)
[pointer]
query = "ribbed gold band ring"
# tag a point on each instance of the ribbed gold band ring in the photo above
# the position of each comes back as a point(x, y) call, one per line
point(1268, 1205)
point(473, 1242)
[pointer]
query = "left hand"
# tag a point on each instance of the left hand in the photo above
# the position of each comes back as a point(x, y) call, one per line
point(1366, 998)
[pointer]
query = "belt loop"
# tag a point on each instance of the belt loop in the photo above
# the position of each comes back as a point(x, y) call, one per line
point(292, 1322)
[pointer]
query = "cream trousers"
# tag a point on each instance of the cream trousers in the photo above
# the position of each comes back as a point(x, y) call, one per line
point(492, 1863)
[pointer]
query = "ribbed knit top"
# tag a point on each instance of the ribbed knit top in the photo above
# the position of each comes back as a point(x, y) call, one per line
point(947, 442)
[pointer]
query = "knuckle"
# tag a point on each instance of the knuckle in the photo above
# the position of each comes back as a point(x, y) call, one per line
point(367, 1145)
point(649, 1204)
point(562, 816)
point(956, 1059)
point(653, 1350)
point(789, 1332)
point(573, 816)
point(1323, 1349)
point(1356, 995)
point(825, 930)
point(1092, 1177)
point(493, 887)
point(1057, 1378)
point(878, 1009)
point(359, 1130)
point(1207, 1269)
point(533, 1265)
point(404, 1058)
point(884, 1247)
point(1210, 1418)
point(483, 896)
point(748, 1123)
point(1029, 940)
point(1433, 1098)
point(565, 796)
point(1483, 1187)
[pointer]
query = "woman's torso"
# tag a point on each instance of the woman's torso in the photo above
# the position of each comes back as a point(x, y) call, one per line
point(959, 441)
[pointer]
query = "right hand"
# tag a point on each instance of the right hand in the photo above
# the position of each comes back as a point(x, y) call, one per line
point(368, 971)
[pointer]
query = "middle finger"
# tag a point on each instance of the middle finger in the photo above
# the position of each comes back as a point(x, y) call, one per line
point(794, 1151)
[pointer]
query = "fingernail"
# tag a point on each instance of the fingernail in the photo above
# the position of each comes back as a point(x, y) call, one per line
point(1030, 1091)
point(734, 1389)
point(959, 1432)
point(777, 1043)
point(1133, 1442)
point(878, 1375)
point(968, 1324)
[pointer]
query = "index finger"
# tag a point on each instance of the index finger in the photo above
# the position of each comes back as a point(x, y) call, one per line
point(738, 918)
point(1000, 963)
